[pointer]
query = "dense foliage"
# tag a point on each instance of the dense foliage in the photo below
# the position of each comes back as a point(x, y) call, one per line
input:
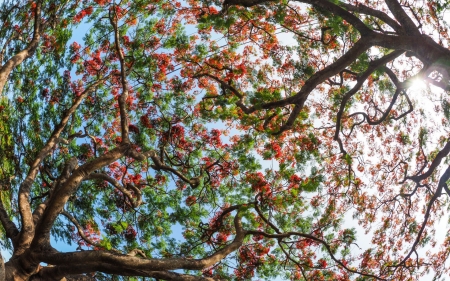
point(236, 140)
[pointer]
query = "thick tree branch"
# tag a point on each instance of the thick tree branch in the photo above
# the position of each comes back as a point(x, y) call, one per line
point(113, 18)
point(245, 3)
point(436, 162)
point(323, 4)
point(57, 273)
point(2, 268)
point(300, 97)
point(60, 195)
point(363, 9)
point(339, 11)
point(18, 58)
point(402, 17)
point(10, 228)
point(27, 231)
point(430, 53)
point(88, 261)
point(320, 76)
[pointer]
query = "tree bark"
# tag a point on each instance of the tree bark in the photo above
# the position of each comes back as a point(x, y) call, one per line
point(2, 268)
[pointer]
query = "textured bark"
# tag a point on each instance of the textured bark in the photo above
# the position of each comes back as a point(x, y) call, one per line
point(2, 268)
point(13, 62)
point(27, 233)
point(73, 265)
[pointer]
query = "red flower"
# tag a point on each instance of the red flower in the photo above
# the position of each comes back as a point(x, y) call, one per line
point(130, 233)
point(101, 2)
point(322, 263)
point(191, 200)
point(133, 128)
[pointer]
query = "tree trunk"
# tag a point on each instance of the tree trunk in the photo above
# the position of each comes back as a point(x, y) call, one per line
point(2, 268)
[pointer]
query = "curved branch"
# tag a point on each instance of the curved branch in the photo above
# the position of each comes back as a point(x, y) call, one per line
point(261, 215)
point(320, 76)
point(373, 65)
point(338, 11)
point(401, 86)
point(385, 113)
point(69, 166)
point(124, 96)
point(300, 97)
point(27, 231)
point(402, 17)
point(436, 162)
point(88, 261)
point(18, 58)
point(441, 185)
point(324, 4)
point(10, 228)
point(430, 53)
point(363, 9)
point(81, 232)
point(56, 273)
point(135, 202)
point(60, 195)
point(159, 165)
point(316, 239)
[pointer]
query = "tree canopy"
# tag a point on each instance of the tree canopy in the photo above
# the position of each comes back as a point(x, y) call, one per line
point(224, 140)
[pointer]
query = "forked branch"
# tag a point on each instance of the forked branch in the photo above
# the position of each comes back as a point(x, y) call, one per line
point(27, 231)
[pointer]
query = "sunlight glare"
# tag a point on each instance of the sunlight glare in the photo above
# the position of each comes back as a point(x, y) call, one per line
point(418, 85)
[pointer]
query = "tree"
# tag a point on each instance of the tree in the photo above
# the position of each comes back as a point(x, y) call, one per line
point(142, 132)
